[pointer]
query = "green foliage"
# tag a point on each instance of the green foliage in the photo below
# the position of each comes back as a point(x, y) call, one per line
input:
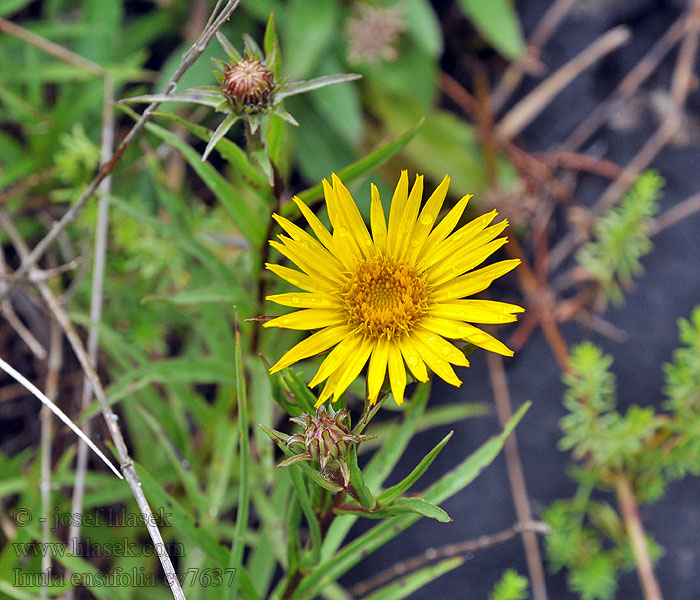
point(683, 392)
point(587, 537)
point(498, 22)
point(622, 238)
point(511, 586)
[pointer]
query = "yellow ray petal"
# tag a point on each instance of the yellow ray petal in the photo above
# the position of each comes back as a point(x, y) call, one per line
point(312, 345)
point(460, 239)
point(315, 223)
point(351, 369)
point(445, 227)
point(301, 237)
point(426, 219)
point(413, 360)
point(300, 280)
point(328, 388)
point(440, 346)
point(343, 242)
point(482, 339)
point(336, 358)
point(462, 263)
point(437, 365)
point(397, 373)
point(398, 202)
point(378, 221)
point(472, 283)
point(314, 300)
point(377, 369)
point(309, 318)
point(477, 311)
point(408, 218)
point(352, 218)
point(309, 262)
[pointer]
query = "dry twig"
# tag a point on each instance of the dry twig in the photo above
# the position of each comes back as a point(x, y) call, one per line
point(434, 554)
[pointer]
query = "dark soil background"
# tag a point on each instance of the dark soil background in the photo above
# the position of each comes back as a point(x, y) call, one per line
point(669, 289)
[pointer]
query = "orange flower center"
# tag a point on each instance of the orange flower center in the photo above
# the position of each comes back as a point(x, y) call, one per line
point(384, 297)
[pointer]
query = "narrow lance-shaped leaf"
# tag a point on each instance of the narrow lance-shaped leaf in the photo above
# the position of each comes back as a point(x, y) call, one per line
point(307, 508)
point(301, 87)
point(395, 491)
point(220, 132)
point(228, 47)
point(358, 483)
point(417, 506)
point(212, 100)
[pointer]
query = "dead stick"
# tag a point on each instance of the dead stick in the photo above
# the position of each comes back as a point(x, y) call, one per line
point(513, 75)
point(628, 85)
point(433, 554)
point(638, 539)
point(518, 117)
point(516, 477)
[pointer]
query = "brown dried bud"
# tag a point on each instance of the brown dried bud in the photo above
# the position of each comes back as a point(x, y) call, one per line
point(249, 83)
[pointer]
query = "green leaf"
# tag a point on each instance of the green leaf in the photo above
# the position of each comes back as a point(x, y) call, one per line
point(447, 144)
point(498, 22)
point(404, 587)
point(220, 132)
point(359, 168)
point(395, 491)
point(305, 397)
point(301, 87)
point(423, 26)
point(12, 6)
point(358, 483)
point(418, 506)
point(305, 503)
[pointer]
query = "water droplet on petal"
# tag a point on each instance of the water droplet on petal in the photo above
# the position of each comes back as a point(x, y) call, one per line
point(295, 299)
point(427, 219)
point(343, 231)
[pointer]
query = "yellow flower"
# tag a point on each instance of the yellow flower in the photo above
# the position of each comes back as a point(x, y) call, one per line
point(391, 297)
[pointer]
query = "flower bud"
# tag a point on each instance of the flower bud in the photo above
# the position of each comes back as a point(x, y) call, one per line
point(248, 84)
point(326, 440)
